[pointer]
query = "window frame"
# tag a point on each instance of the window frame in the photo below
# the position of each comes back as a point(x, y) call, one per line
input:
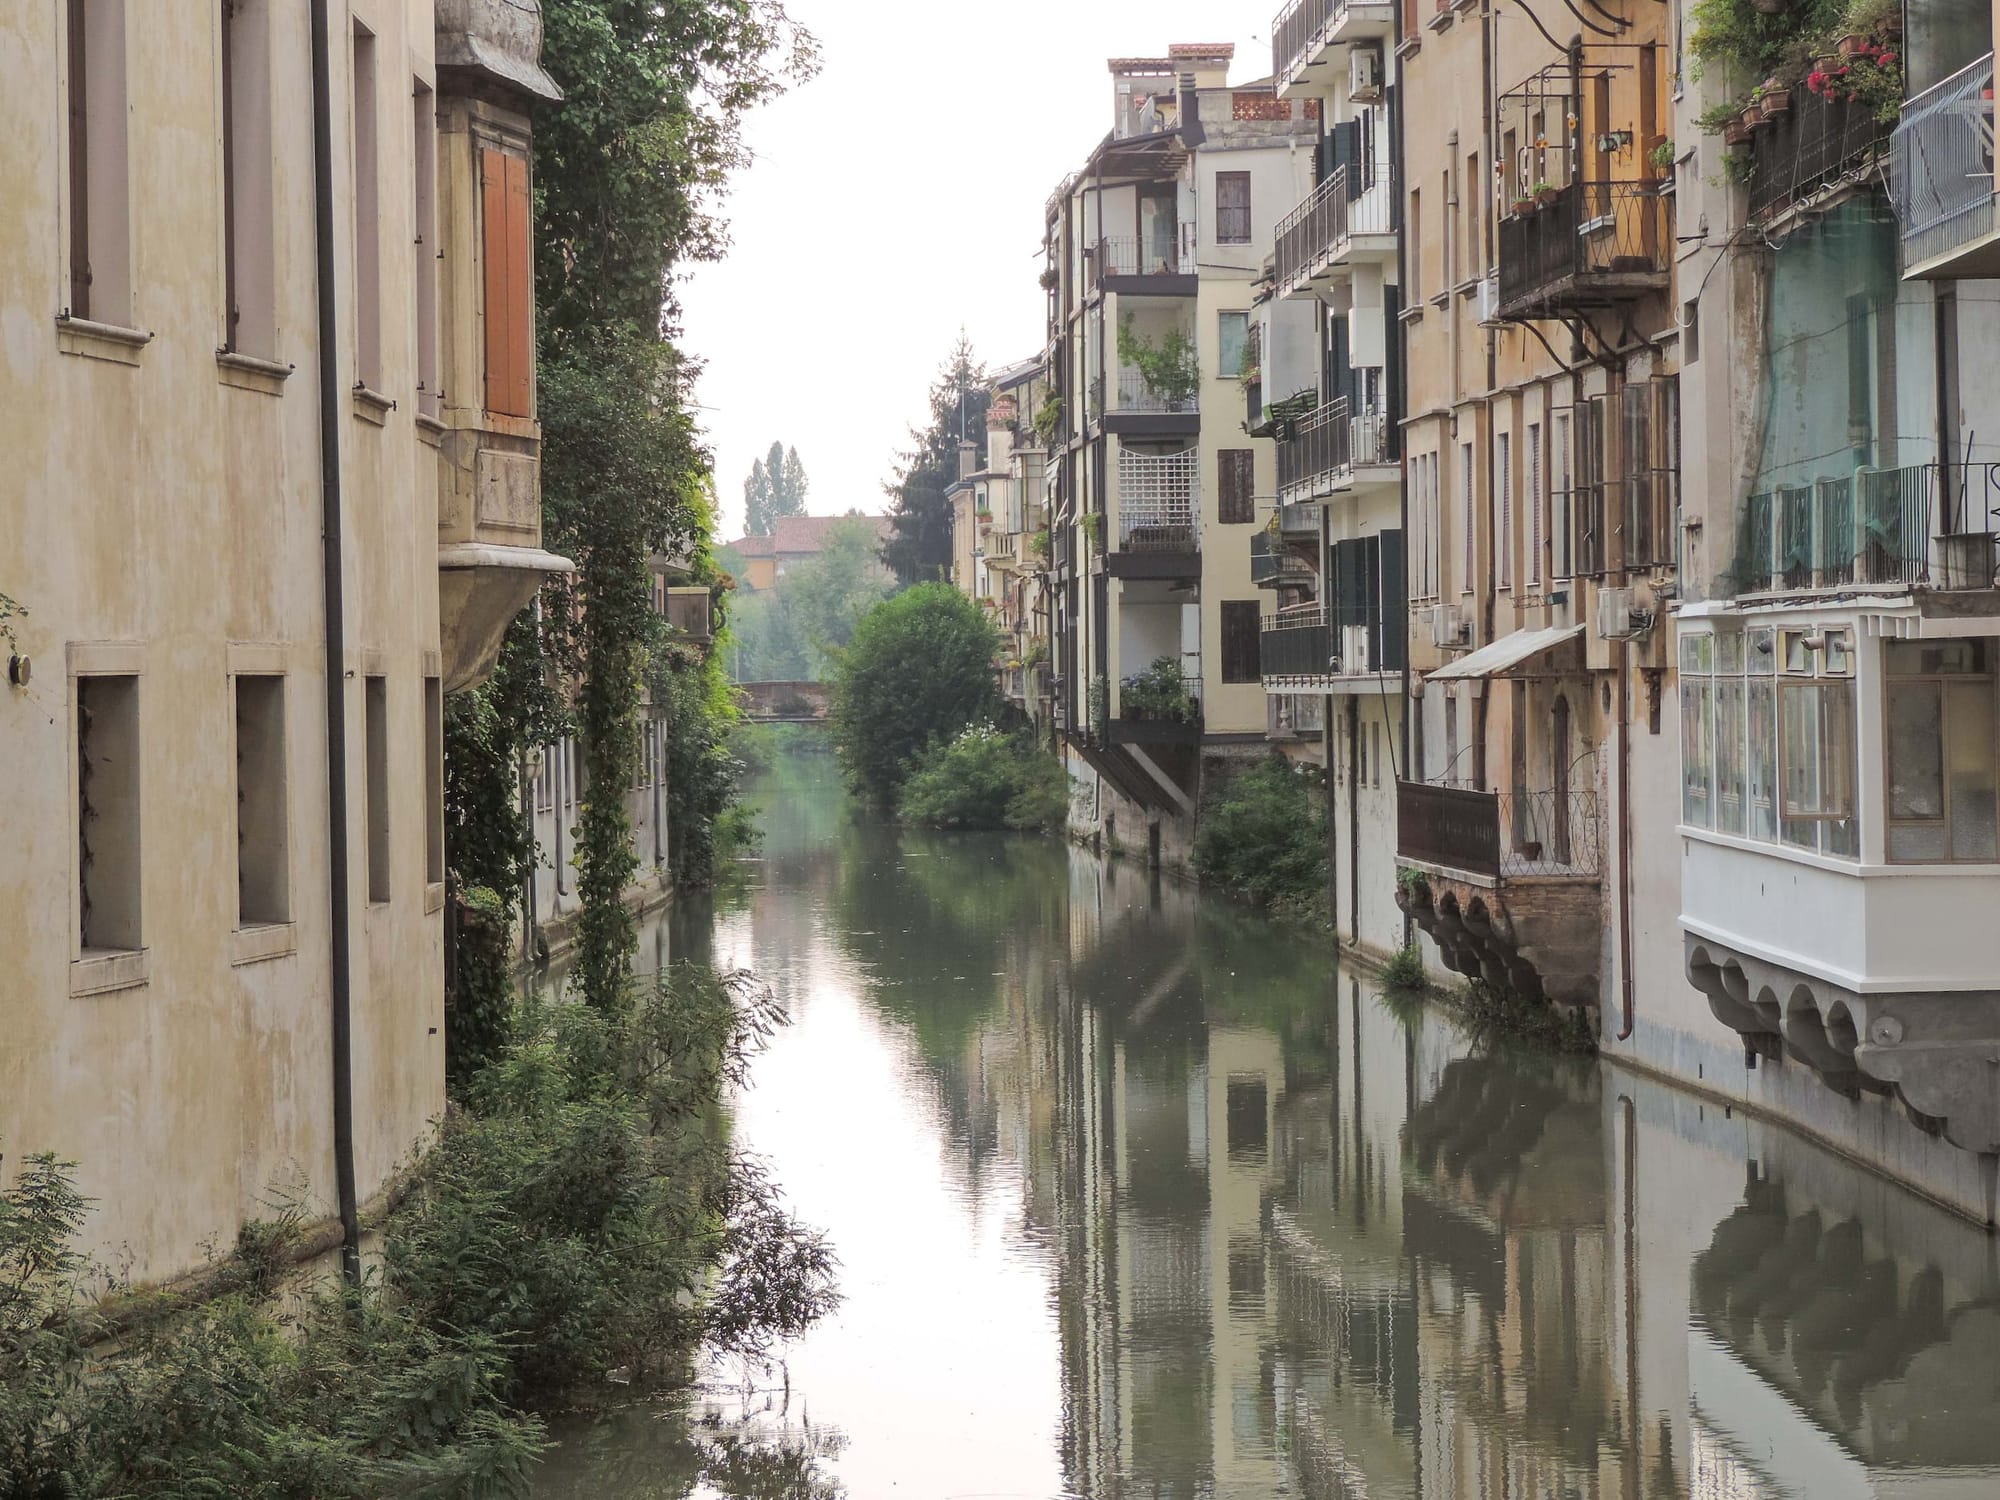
point(1233, 221)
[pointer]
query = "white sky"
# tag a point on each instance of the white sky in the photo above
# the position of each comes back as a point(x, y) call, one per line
point(897, 197)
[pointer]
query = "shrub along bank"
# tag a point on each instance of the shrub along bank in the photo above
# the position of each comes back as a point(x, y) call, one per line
point(580, 1217)
point(1263, 835)
point(986, 778)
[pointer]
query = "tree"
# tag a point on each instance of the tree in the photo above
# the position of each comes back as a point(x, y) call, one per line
point(920, 669)
point(776, 487)
point(919, 547)
point(828, 595)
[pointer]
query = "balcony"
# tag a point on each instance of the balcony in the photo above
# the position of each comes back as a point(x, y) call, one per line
point(1128, 404)
point(1941, 177)
point(1306, 32)
point(1135, 267)
point(1296, 650)
point(1510, 885)
point(1156, 707)
point(1595, 244)
point(1344, 220)
point(1332, 451)
point(1873, 527)
point(1159, 515)
point(1814, 145)
point(1276, 565)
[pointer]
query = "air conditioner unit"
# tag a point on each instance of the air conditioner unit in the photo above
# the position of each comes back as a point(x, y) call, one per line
point(1617, 617)
point(1364, 74)
point(1353, 650)
point(1489, 299)
point(1450, 630)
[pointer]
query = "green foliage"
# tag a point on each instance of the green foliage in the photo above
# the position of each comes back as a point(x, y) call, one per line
point(776, 487)
point(1048, 420)
point(1405, 970)
point(793, 634)
point(1159, 692)
point(1263, 834)
point(919, 670)
point(919, 544)
point(704, 778)
point(983, 778)
point(1170, 368)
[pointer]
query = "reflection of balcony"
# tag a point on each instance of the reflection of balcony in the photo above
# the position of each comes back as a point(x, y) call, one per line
point(1332, 451)
point(1306, 32)
point(1511, 895)
point(1941, 176)
point(1815, 144)
point(1594, 245)
point(1343, 220)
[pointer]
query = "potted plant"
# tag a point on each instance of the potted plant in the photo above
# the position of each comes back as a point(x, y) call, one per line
point(1736, 133)
point(1523, 207)
point(1777, 99)
point(1545, 194)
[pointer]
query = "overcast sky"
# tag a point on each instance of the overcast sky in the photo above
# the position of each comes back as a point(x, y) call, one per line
point(896, 198)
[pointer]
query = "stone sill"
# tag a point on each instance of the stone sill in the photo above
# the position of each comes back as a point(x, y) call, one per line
point(102, 971)
point(433, 898)
point(246, 372)
point(106, 341)
point(372, 406)
point(261, 943)
point(1856, 868)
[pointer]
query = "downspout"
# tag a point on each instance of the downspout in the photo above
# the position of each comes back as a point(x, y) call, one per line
point(1625, 837)
point(1412, 769)
point(334, 585)
point(1354, 813)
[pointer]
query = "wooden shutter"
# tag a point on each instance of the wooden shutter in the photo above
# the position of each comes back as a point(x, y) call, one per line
point(1232, 208)
point(503, 186)
point(1240, 626)
point(1395, 612)
point(79, 162)
point(1237, 503)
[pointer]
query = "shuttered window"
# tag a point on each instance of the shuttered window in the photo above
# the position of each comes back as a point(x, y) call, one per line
point(1232, 208)
point(1237, 504)
point(1503, 479)
point(503, 185)
point(1240, 625)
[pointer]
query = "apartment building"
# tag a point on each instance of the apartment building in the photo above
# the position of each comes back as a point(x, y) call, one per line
point(1154, 247)
point(1541, 463)
point(1837, 652)
point(253, 561)
point(1328, 388)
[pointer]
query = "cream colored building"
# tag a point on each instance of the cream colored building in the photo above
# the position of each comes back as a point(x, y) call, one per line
point(209, 513)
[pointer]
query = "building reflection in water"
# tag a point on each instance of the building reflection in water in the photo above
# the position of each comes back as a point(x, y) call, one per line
point(1302, 1240)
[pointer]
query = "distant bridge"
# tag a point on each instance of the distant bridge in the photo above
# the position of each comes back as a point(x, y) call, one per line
point(784, 702)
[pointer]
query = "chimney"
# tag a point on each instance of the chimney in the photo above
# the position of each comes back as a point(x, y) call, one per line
point(1207, 61)
point(968, 459)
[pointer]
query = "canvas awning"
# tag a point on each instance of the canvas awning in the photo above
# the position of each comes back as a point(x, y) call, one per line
point(1497, 657)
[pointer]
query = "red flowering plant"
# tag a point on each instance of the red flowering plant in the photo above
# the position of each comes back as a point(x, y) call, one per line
point(1872, 77)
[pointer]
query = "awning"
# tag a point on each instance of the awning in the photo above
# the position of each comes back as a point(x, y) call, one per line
point(1495, 657)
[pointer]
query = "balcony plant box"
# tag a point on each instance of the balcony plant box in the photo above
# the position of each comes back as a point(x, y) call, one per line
point(1852, 43)
point(1523, 207)
point(1777, 100)
point(1545, 195)
point(1736, 133)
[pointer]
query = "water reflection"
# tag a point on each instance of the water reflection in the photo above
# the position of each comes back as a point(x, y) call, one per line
point(1136, 1197)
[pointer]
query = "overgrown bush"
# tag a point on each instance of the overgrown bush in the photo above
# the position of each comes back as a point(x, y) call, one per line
point(919, 669)
point(1405, 970)
point(580, 1216)
point(984, 778)
point(1263, 835)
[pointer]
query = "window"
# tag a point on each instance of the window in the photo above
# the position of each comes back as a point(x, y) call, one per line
point(1650, 470)
point(1232, 208)
point(107, 813)
point(510, 313)
point(1587, 502)
point(433, 781)
point(1424, 521)
point(1562, 459)
point(99, 216)
point(249, 269)
point(1415, 240)
point(1474, 191)
point(1465, 488)
point(1240, 645)
point(1535, 503)
point(263, 833)
point(1940, 751)
point(1233, 340)
point(424, 242)
point(375, 739)
point(367, 217)
point(1503, 479)
point(1237, 503)
point(1691, 332)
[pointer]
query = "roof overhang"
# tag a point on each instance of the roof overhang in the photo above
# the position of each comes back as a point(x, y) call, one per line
point(1498, 658)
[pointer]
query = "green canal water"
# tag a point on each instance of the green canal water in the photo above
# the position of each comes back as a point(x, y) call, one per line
point(1137, 1194)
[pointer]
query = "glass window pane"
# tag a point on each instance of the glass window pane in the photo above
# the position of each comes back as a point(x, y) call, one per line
point(1916, 841)
point(1798, 708)
point(1837, 744)
point(1916, 761)
point(1837, 660)
point(1729, 754)
point(1697, 731)
point(1763, 768)
point(1762, 653)
point(1695, 653)
point(1729, 652)
point(1969, 756)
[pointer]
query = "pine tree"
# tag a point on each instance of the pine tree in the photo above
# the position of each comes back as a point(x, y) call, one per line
point(776, 487)
point(757, 504)
point(919, 545)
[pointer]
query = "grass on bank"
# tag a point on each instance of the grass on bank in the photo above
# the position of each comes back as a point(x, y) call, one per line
point(580, 1218)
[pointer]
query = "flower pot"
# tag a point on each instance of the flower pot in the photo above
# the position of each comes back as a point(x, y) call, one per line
point(1777, 103)
point(1736, 133)
point(1523, 207)
point(1852, 43)
point(1546, 198)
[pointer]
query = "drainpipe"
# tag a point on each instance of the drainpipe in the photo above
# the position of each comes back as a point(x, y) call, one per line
point(334, 585)
point(1625, 837)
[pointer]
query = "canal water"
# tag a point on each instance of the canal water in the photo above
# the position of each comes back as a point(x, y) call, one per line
point(1136, 1194)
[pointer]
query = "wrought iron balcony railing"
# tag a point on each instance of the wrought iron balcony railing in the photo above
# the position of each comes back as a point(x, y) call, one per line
point(1132, 393)
point(1597, 242)
point(1817, 141)
point(1316, 233)
point(1296, 643)
point(1158, 501)
point(1320, 453)
point(1941, 165)
point(1127, 255)
point(1873, 526)
point(1512, 834)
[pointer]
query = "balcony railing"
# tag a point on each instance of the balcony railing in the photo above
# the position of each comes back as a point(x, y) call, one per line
point(1158, 501)
point(1131, 393)
point(1871, 527)
point(1597, 241)
point(1818, 140)
point(1513, 834)
point(1295, 35)
point(1313, 235)
point(1941, 165)
point(1275, 565)
point(1321, 451)
point(1296, 643)
point(1127, 255)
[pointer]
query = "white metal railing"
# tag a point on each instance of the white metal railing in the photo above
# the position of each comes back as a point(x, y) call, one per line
point(1133, 393)
point(1295, 35)
point(1158, 501)
point(1323, 449)
point(1314, 234)
point(1941, 164)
